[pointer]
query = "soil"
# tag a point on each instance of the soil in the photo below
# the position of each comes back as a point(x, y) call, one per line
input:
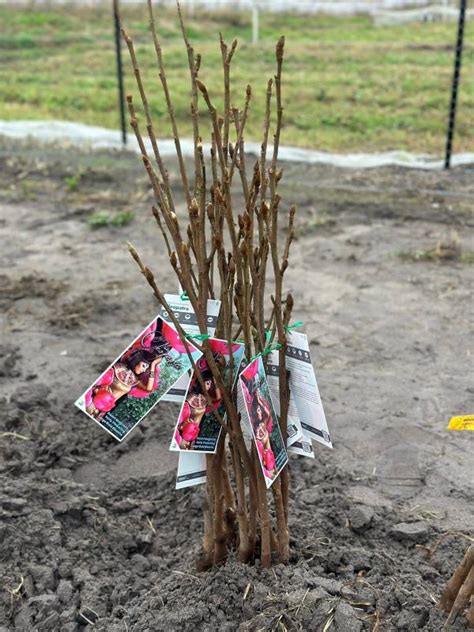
point(94, 535)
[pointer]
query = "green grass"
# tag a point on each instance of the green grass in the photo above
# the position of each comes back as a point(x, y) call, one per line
point(417, 255)
point(102, 219)
point(347, 85)
point(72, 183)
point(466, 257)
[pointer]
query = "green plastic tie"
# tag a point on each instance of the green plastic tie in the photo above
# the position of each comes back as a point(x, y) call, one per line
point(198, 336)
point(273, 347)
point(184, 296)
point(299, 323)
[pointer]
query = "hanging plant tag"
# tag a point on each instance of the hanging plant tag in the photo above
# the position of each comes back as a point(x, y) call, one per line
point(183, 311)
point(191, 469)
point(263, 420)
point(304, 389)
point(138, 379)
point(198, 429)
point(296, 436)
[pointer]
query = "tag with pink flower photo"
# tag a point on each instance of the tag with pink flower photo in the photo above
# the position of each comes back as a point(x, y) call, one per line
point(138, 379)
point(198, 428)
point(263, 420)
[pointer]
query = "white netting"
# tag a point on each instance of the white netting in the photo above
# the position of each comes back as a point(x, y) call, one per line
point(435, 13)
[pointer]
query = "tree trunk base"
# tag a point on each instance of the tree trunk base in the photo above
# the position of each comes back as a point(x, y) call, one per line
point(458, 596)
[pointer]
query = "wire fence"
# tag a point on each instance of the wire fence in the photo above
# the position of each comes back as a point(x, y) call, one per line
point(336, 7)
point(350, 86)
point(383, 12)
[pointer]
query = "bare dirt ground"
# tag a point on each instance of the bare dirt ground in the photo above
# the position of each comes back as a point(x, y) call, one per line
point(94, 536)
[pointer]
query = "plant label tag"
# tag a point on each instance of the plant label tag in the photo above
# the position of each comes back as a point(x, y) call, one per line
point(186, 317)
point(192, 465)
point(303, 447)
point(244, 419)
point(191, 469)
point(298, 442)
point(304, 388)
point(272, 369)
point(198, 428)
point(263, 420)
point(138, 379)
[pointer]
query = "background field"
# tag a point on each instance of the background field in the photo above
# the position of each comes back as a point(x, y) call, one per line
point(348, 85)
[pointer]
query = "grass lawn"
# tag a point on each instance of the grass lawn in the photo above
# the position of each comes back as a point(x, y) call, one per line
point(347, 85)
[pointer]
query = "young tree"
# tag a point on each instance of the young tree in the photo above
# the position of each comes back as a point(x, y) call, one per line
point(216, 252)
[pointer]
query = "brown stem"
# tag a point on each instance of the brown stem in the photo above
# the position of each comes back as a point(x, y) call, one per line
point(448, 597)
point(169, 104)
point(157, 217)
point(239, 148)
point(279, 57)
point(226, 59)
point(210, 540)
point(214, 474)
point(265, 528)
point(149, 122)
point(242, 516)
point(463, 597)
point(282, 521)
point(263, 153)
point(240, 126)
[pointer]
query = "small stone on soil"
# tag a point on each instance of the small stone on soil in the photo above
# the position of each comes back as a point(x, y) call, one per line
point(410, 531)
point(360, 518)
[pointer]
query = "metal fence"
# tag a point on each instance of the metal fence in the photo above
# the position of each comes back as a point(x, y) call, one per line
point(382, 11)
point(337, 7)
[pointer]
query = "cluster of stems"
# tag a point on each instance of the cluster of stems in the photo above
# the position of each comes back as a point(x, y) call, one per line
point(217, 253)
